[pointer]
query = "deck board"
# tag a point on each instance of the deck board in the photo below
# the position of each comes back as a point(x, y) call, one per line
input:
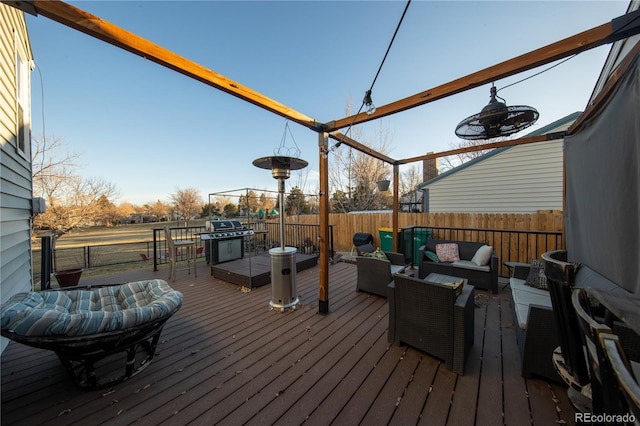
point(225, 358)
point(490, 397)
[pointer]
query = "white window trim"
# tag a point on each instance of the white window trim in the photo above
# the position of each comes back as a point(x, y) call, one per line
point(23, 98)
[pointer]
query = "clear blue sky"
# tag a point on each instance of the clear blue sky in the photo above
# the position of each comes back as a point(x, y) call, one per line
point(151, 131)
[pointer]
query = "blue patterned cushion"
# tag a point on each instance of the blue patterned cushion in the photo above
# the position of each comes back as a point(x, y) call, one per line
point(85, 312)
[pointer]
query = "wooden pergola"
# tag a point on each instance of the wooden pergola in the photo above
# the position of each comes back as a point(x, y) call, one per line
point(617, 29)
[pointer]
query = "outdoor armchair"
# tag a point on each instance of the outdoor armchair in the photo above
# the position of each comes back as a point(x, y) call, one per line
point(428, 316)
point(375, 274)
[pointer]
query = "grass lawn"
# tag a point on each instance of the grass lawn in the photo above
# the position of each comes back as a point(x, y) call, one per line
point(130, 233)
point(132, 239)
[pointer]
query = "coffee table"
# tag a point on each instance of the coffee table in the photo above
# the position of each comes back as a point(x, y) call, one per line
point(443, 279)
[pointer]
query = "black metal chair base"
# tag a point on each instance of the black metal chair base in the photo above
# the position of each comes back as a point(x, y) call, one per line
point(578, 395)
point(96, 361)
point(103, 368)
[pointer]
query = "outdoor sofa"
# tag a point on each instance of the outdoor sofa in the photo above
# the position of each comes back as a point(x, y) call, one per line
point(536, 331)
point(480, 274)
point(89, 328)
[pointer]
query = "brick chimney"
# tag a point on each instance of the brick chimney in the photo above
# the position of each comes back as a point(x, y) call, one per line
point(429, 168)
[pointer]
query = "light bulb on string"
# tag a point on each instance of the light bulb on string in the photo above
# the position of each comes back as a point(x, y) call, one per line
point(368, 103)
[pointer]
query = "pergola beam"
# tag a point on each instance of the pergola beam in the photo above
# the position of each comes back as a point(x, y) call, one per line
point(96, 27)
point(341, 138)
point(491, 145)
point(619, 28)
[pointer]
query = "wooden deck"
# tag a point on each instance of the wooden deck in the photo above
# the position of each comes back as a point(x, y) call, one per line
point(224, 358)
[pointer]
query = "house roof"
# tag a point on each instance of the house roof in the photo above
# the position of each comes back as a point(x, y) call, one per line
point(563, 122)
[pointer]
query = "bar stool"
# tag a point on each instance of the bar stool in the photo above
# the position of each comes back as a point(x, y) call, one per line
point(189, 245)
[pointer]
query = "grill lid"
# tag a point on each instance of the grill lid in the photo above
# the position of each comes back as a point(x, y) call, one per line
point(224, 225)
point(219, 225)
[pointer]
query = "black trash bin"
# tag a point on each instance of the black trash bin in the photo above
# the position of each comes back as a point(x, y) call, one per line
point(361, 238)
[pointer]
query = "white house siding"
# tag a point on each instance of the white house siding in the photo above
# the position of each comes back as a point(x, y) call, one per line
point(15, 169)
point(518, 179)
point(522, 179)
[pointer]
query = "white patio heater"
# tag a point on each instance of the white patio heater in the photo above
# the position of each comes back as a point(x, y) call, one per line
point(283, 263)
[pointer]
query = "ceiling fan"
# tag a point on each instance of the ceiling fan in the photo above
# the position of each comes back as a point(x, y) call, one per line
point(496, 119)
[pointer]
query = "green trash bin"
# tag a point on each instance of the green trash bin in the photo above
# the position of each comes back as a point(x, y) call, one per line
point(386, 239)
point(420, 237)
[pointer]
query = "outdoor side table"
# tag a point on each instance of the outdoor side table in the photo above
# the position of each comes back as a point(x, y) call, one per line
point(510, 266)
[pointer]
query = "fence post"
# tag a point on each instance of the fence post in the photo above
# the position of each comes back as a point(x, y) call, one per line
point(87, 256)
point(46, 260)
point(155, 251)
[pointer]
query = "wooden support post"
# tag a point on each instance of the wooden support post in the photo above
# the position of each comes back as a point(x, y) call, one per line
point(396, 203)
point(323, 293)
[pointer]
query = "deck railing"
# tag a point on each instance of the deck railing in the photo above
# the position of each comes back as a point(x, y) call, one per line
point(509, 244)
point(302, 236)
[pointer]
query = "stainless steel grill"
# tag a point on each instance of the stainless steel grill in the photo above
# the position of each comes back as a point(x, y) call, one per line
point(224, 240)
point(221, 229)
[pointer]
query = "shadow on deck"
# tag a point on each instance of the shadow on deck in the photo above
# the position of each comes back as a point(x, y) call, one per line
point(224, 358)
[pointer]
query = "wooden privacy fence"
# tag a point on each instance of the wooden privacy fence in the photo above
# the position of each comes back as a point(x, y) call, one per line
point(514, 236)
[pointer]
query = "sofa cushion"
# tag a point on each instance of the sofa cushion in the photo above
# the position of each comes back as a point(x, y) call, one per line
point(467, 264)
point(520, 286)
point(432, 256)
point(483, 255)
point(537, 277)
point(447, 252)
point(523, 299)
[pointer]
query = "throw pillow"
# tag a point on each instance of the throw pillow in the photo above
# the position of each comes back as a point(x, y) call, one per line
point(377, 254)
point(432, 256)
point(536, 277)
point(483, 255)
point(447, 252)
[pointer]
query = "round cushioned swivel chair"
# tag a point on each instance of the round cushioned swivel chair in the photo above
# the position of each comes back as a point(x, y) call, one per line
point(90, 328)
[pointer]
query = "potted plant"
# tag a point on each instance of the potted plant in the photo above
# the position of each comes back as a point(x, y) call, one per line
point(383, 185)
point(68, 277)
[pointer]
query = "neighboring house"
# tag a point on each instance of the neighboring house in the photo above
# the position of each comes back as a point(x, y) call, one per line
point(15, 156)
point(516, 179)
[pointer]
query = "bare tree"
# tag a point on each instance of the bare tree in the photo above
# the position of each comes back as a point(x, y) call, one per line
point(354, 176)
point(451, 161)
point(409, 181)
point(187, 203)
point(72, 201)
